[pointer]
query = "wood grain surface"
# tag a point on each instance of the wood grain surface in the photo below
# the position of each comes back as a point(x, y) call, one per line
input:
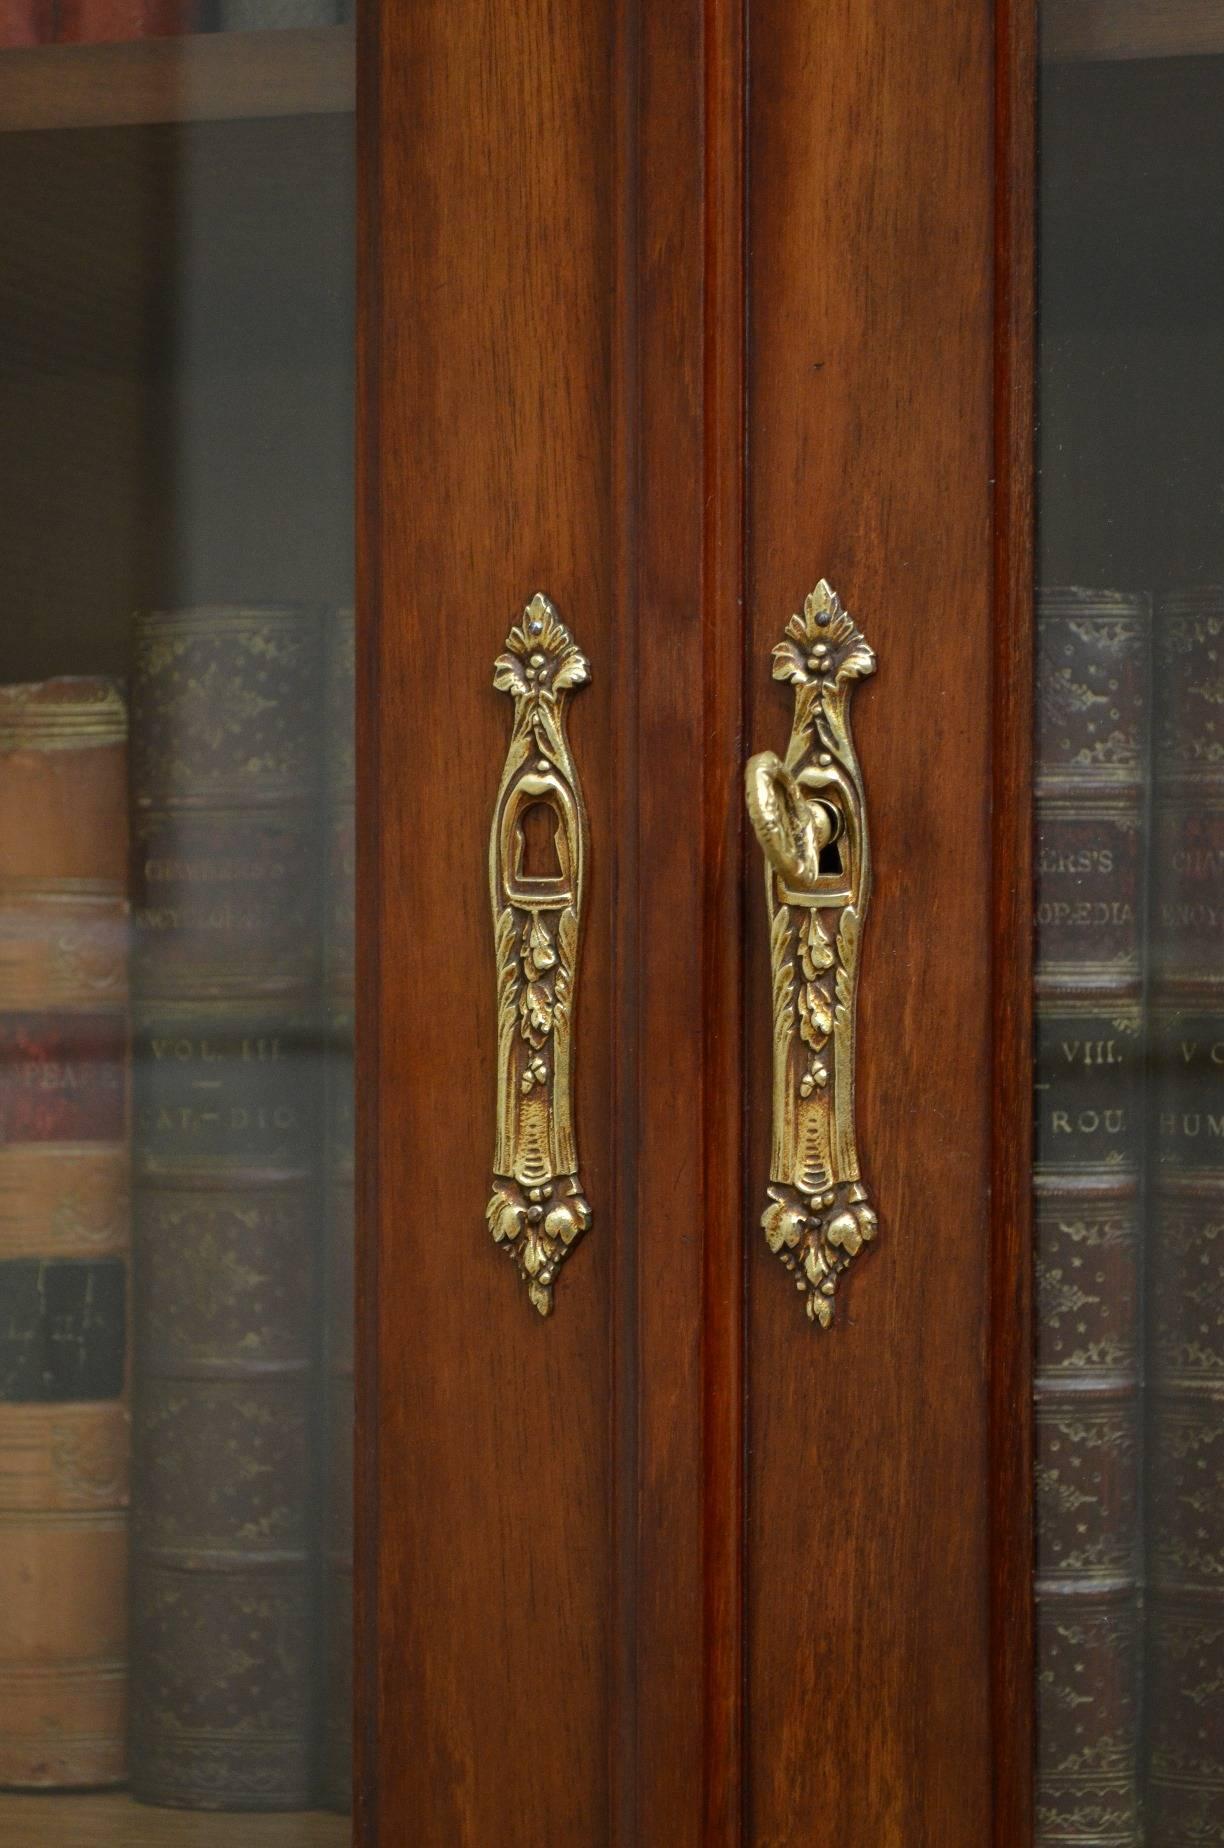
point(678, 1317)
point(661, 1097)
point(487, 279)
point(209, 77)
point(1073, 30)
point(117, 1822)
point(562, 1590)
point(871, 439)
point(725, 836)
point(1011, 1279)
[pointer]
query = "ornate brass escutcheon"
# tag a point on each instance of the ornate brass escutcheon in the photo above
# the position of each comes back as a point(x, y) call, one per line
point(809, 815)
point(537, 1210)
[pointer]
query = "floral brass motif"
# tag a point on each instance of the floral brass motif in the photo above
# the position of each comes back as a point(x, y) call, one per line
point(537, 1210)
point(809, 815)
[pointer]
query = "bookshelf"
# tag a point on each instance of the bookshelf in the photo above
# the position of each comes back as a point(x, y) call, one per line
point(209, 77)
point(1075, 31)
point(116, 1822)
point(176, 420)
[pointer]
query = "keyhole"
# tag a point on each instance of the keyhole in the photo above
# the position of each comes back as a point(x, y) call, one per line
point(538, 858)
point(831, 863)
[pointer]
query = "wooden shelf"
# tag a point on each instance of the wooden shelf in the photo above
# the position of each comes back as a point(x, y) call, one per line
point(211, 77)
point(116, 1822)
point(1077, 31)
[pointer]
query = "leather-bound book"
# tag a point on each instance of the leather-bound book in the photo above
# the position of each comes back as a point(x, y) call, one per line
point(226, 710)
point(26, 22)
point(1185, 1499)
point(64, 1233)
point(84, 22)
point(1092, 679)
point(338, 1199)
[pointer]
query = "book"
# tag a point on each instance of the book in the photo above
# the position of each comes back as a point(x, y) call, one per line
point(1092, 672)
point(64, 1233)
point(338, 1200)
point(91, 22)
point(26, 22)
point(1185, 1500)
point(226, 711)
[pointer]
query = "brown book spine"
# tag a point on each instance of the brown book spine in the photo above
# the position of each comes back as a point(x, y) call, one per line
point(226, 715)
point(1185, 1513)
point(1092, 672)
point(338, 992)
point(64, 1233)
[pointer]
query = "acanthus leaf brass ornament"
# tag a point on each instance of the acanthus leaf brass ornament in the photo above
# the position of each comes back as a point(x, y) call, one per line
point(537, 1209)
point(809, 814)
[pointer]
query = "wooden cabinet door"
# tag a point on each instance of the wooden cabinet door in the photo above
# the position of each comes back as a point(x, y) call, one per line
point(668, 312)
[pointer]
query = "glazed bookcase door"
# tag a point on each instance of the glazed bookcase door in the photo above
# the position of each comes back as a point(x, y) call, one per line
point(177, 319)
point(1130, 934)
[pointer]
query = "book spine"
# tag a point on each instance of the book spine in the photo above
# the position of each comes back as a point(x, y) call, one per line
point(64, 1234)
point(92, 22)
point(1185, 1511)
point(225, 726)
point(338, 1241)
point(26, 22)
point(1092, 673)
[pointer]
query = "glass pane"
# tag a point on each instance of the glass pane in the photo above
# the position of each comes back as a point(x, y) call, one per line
point(176, 921)
point(1130, 927)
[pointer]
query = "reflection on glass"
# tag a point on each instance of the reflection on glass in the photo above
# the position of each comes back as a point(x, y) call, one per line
point(1129, 1170)
point(176, 967)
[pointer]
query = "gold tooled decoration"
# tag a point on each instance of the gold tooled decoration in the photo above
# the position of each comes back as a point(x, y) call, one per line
point(56, 715)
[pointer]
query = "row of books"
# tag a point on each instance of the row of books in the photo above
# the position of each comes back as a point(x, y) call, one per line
point(176, 1212)
point(81, 22)
point(1130, 1217)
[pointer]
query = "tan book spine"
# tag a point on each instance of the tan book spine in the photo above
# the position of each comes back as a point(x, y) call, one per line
point(64, 1234)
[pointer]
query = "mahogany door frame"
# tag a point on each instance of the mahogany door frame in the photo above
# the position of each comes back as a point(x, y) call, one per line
point(1012, 1333)
point(671, 512)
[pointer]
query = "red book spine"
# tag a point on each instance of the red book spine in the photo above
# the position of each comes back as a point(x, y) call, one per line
point(88, 22)
point(26, 22)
